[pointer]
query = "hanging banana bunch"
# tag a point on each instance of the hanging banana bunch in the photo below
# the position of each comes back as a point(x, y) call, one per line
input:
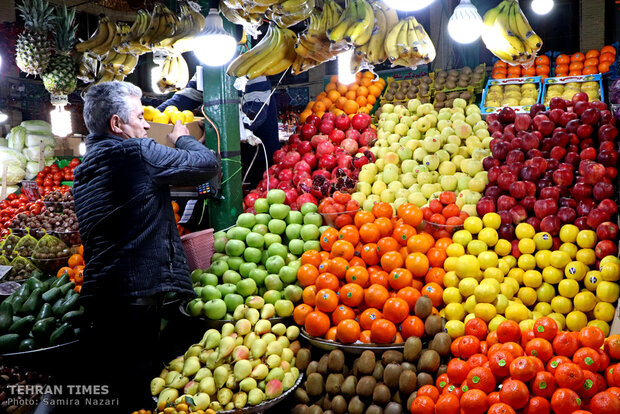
point(239, 15)
point(87, 68)
point(509, 36)
point(130, 43)
point(290, 12)
point(191, 23)
point(273, 54)
point(313, 46)
point(174, 74)
point(101, 41)
point(408, 44)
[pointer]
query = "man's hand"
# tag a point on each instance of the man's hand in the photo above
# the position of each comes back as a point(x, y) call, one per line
point(178, 131)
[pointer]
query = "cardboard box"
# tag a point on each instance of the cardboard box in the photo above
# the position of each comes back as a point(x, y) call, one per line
point(159, 131)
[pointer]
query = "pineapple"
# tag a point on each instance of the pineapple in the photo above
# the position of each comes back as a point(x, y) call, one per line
point(33, 47)
point(60, 77)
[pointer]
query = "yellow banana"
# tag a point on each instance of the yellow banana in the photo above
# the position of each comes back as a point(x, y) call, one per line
point(401, 41)
point(375, 45)
point(168, 29)
point(99, 36)
point(244, 62)
point(173, 73)
point(129, 64)
point(362, 31)
point(156, 20)
point(493, 38)
point(103, 48)
point(502, 26)
point(267, 57)
point(391, 47)
point(347, 18)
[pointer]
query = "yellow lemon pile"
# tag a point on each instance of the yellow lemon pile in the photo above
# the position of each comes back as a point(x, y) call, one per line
point(170, 115)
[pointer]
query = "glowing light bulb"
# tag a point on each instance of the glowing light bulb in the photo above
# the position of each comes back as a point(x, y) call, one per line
point(344, 68)
point(61, 122)
point(82, 148)
point(3, 117)
point(155, 74)
point(465, 25)
point(542, 6)
point(214, 46)
point(408, 5)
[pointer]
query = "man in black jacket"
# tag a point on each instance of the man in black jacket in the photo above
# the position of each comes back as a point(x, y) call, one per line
point(132, 248)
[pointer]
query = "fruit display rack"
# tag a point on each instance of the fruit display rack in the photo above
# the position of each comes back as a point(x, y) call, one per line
point(592, 85)
point(494, 97)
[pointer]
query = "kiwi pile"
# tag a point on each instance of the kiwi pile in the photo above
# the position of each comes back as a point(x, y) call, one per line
point(373, 383)
point(446, 99)
point(407, 89)
point(447, 80)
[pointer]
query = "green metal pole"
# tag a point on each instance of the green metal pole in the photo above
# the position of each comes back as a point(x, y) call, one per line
point(221, 104)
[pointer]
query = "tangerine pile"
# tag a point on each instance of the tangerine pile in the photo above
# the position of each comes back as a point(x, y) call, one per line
point(442, 216)
point(592, 62)
point(541, 67)
point(539, 370)
point(364, 284)
point(75, 269)
point(358, 97)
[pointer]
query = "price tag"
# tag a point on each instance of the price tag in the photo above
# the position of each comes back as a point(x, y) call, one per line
point(31, 189)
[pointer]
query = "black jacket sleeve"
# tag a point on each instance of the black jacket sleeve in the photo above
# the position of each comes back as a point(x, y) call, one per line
point(191, 163)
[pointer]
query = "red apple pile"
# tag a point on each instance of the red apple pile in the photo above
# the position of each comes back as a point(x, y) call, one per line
point(554, 167)
point(325, 155)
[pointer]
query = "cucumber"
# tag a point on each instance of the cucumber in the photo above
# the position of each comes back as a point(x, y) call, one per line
point(22, 326)
point(45, 312)
point(67, 288)
point(60, 281)
point(43, 328)
point(27, 344)
point(52, 295)
point(72, 316)
point(69, 304)
point(6, 320)
point(34, 283)
point(61, 334)
point(9, 342)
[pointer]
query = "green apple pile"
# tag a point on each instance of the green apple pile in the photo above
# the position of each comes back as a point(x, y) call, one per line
point(494, 279)
point(242, 364)
point(256, 261)
point(421, 152)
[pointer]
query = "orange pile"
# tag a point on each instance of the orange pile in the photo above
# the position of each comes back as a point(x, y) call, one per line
point(541, 67)
point(75, 269)
point(365, 282)
point(592, 62)
point(358, 97)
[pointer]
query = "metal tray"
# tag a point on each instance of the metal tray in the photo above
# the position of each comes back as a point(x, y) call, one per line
point(356, 348)
point(208, 323)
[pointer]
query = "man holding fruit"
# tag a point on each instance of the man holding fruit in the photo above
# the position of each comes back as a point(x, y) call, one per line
point(133, 251)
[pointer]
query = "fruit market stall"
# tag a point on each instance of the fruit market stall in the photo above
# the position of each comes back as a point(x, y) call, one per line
point(432, 236)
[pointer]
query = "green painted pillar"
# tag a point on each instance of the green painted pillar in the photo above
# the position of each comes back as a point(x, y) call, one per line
point(221, 104)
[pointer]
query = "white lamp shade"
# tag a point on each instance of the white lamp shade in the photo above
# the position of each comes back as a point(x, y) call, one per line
point(214, 46)
point(465, 25)
point(542, 6)
point(344, 67)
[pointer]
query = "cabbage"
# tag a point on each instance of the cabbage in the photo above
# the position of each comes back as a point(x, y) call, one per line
point(49, 161)
point(4, 142)
point(34, 139)
point(12, 157)
point(32, 153)
point(17, 138)
point(10, 189)
point(32, 168)
point(37, 126)
point(14, 174)
point(614, 92)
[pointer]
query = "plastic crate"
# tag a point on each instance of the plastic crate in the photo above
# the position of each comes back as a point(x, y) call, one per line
point(568, 79)
point(484, 110)
point(199, 248)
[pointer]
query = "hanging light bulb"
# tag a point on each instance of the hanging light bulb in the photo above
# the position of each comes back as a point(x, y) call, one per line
point(3, 117)
point(61, 121)
point(82, 148)
point(214, 46)
point(344, 68)
point(155, 74)
point(408, 5)
point(465, 25)
point(542, 6)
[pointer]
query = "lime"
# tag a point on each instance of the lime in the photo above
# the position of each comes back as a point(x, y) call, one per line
point(568, 288)
point(473, 224)
point(575, 270)
point(485, 311)
point(489, 236)
point(569, 248)
point(492, 220)
point(568, 233)
point(452, 295)
point(462, 237)
point(455, 328)
point(503, 247)
point(527, 246)
point(586, 239)
point(602, 325)
point(543, 258)
point(604, 311)
point(561, 305)
point(454, 311)
point(552, 275)
point(526, 262)
point(476, 247)
point(545, 293)
point(487, 259)
point(584, 301)
point(576, 320)
point(608, 291)
point(543, 240)
point(525, 230)
point(532, 278)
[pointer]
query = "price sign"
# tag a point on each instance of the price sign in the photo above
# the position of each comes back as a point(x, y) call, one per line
point(4, 270)
point(31, 189)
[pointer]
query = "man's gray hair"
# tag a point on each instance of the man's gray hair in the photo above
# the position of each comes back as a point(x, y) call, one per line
point(106, 99)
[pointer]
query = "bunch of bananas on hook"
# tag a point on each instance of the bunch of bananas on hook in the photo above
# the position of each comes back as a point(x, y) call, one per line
point(408, 44)
point(288, 13)
point(174, 74)
point(509, 36)
point(273, 54)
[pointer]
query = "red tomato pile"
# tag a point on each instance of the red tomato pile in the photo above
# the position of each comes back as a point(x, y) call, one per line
point(49, 178)
point(332, 209)
point(539, 370)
